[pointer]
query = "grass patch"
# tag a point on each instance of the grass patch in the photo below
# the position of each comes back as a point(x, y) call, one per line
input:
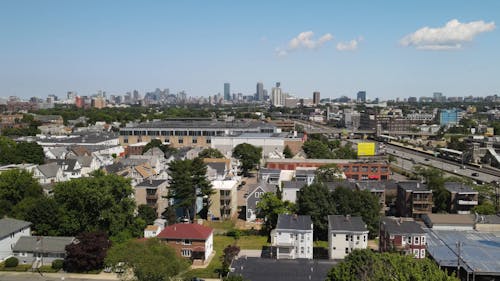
point(48, 269)
point(220, 226)
point(251, 242)
point(321, 244)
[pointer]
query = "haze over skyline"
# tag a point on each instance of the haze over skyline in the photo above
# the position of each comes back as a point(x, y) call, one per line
point(389, 48)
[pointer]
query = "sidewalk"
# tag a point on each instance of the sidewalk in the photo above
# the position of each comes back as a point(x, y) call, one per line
point(57, 276)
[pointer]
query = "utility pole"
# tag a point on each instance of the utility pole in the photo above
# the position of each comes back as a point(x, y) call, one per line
point(459, 245)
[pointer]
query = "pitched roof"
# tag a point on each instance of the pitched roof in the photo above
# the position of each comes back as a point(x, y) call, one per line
point(79, 150)
point(459, 187)
point(70, 162)
point(186, 231)
point(220, 167)
point(401, 226)
point(152, 228)
point(294, 222)
point(413, 186)
point(349, 223)
point(294, 184)
point(150, 183)
point(45, 244)
point(58, 151)
point(49, 170)
point(9, 226)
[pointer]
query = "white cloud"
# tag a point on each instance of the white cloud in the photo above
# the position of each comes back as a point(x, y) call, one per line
point(450, 36)
point(350, 45)
point(305, 40)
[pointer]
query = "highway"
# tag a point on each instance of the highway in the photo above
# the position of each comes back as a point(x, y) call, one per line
point(411, 158)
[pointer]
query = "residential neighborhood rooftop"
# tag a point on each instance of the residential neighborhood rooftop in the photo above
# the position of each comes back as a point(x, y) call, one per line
point(186, 231)
point(395, 225)
point(294, 222)
point(9, 226)
point(43, 244)
point(414, 186)
point(346, 223)
point(459, 187)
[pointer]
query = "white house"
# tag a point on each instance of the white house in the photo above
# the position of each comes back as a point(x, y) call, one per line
point(10, 232)
point(345, 234)
point(293, 237)
point(49, 173)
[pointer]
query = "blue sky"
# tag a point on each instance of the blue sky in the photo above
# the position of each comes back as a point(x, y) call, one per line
point(51, 47)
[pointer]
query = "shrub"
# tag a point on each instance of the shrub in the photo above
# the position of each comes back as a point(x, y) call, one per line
point(11, 262)
point(57, 264)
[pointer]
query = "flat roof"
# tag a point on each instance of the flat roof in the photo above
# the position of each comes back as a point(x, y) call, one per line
point(326, 161)
point(449, 219)
point(413, 186)
point(192, 124)
point(263, 269)
point(479, 252)
point(459, 187)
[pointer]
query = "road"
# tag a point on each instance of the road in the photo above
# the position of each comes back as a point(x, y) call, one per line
point(29, 276)
point(405, 157)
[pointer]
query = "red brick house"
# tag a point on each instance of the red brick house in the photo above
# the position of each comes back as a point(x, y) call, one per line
point(189, 240)
point(353, 169)
point(402, 235)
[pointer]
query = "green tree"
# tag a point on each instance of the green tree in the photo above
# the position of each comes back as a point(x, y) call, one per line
point(326, 173)
point(248, 155)
point(210, 153)
point(149, 260)
point(43, 212)
point(486, 208)
point(435, 181)
point(147, 213)
point(101, 202)
point(15, 186)
point(365, 265)
point(7, 151)
point(316, 149)
point(269, 207)
point(29, 152)
point(345, 152)
point(187, 182)
point(230, 252)
point(315, 200)
point(287, 152)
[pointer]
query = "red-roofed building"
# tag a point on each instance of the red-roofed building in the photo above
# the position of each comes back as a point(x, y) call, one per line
point(189, 240)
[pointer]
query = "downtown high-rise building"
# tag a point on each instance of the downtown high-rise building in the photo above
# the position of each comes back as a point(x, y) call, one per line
point(277, 96)
point(227, 91)
point(361, 96)
point(260, 91)
point(316, 98)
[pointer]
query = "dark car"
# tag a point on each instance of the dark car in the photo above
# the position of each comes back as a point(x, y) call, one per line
point(475, 174)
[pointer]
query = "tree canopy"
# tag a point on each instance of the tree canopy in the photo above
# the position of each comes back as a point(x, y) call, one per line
point(287, 152)
point(270, 206)
point(365, 265)
point(88, 253)
point(22, 152)
point(210, 153)
point(147, 213)
point(150, 260)
point(17, 189)
point(248, 155)
point(435, 181)
point(318, 201)
point(322, 148)
point(187, 182)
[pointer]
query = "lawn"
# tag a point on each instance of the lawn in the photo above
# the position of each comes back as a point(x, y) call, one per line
point(220, 226)
point(321, 244)
point(220, 242)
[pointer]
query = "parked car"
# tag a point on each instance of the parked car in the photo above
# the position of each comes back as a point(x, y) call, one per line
point(475, 174)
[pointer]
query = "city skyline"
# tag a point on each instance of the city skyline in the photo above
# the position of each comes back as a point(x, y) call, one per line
point(387, 49)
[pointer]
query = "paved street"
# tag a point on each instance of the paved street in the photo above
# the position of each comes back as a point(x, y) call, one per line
point(25, 276)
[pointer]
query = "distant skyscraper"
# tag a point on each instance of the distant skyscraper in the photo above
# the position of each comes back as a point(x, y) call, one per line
point(316, 98)
point(361, 97)
point(438, 97)
point(227, 91)
point(277, 96)
point(260, 91)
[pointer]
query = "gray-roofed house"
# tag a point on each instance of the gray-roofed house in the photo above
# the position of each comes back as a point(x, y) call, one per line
point(71, 167)
point(49, 173)
point(290, 190)
point(305, 175)
point(345, 234)
point(216, 170)
point(402, 235)
point(42, 250)
point(293, 237)
point(269, 175)
point(414, 199)
point(254, 196)
point(10, 232)
point(56, 153)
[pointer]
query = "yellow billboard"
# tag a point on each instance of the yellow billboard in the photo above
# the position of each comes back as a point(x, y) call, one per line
point(490, 131)
point(366, 149)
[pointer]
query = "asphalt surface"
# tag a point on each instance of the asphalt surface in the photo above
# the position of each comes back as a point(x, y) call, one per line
point(407, 160)
point(28, 276)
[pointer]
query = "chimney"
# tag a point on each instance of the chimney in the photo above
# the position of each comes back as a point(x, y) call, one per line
point(294, 216)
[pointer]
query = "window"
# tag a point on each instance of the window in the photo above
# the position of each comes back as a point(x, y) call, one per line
point(195, 140)
point(180, 140)
point(346, 237)
point(357, 238)
point(422, 240)
point(417, 240)
point(185, 252)
point(186, 242)
point(301, 250)
point(209, 141)
point(422, 253)
point(301, 237)
point(347, 250)
point(334, 235)
point(409, 240)
point(416, 252)
point(335, 248)
point(364, 238)
point(125, 140)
